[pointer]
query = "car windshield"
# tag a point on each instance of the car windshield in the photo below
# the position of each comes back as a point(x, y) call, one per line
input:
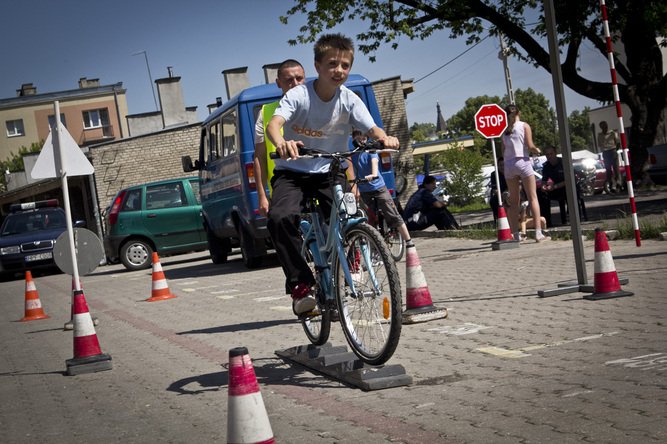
point(36, 221)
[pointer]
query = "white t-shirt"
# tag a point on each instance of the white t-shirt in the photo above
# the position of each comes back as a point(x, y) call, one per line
point(324, 126)
point(514, 144)
point(259, 127)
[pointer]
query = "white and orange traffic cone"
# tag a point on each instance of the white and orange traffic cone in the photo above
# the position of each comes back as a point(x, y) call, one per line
point(160, 290)
point(247, 421)
point(419, 306)
point(505, 238)
point(33, 306)
point(606, 283)
point(88, 356)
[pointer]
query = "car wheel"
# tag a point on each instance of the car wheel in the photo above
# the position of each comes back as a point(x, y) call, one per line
point(136, 254)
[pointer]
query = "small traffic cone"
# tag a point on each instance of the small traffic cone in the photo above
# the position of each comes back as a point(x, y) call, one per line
point(419, 307)
point(505, 238)
point(88, 356)
point(606, 283)
point(33, 306)
point(160, 290)
point(247, 421)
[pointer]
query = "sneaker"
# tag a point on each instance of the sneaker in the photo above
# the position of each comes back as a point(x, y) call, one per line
point(303, 300)
point(542, 238)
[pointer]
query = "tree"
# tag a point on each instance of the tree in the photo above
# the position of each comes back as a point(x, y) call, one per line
point(14, 162)
point(464, 166)
point(421, 132)
point(638, 27)
point(581, 135)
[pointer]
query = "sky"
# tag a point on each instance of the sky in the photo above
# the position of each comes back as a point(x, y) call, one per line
point(54, 43)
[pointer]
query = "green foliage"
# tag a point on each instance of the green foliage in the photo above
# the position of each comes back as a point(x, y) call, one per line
point(465, 168)
point(581, 135)
point(421, 132)
point(14, 162)
point(535, 111)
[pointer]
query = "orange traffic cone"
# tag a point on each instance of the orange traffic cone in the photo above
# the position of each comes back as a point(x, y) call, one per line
point(160, 289)
point(247, 421)
point(606, 283)
point(505, 239)
point(88, 356)
point(419, 307)
point(33, 306)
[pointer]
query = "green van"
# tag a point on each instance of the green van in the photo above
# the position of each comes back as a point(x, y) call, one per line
point(162, 216)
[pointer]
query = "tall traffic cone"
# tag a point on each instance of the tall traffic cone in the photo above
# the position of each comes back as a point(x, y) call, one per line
point(247, 421)
point(419, 307)
point(505, 239)
point(88, 356)
point(33, 306)
point(606, 283)
point(160, 290)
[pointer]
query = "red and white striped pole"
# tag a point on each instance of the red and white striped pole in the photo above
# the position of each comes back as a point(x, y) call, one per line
point(619, 113)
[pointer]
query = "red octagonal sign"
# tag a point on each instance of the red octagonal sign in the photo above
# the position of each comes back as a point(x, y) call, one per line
point(490, 120)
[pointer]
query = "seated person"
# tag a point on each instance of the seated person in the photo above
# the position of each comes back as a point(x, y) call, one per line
point(493, 199)
point(553, 188)
point(424, 209)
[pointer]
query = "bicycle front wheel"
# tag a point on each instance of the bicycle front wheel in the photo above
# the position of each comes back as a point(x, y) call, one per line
point(371, 314)
point(317, 323)
point(394, 241)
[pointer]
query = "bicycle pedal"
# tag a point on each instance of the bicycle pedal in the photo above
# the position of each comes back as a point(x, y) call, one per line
point(309, 314)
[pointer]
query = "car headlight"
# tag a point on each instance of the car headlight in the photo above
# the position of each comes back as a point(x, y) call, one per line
point(13, 249)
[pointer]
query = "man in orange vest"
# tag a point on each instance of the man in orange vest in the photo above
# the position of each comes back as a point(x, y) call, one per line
point(290, 74)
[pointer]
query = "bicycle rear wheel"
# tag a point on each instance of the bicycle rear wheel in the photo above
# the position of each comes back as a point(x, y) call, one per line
point(394, 241)
point(371, 315)
point(317, 323)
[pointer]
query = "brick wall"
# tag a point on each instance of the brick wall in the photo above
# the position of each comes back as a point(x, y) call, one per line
point(389, 95)
point(141, 159)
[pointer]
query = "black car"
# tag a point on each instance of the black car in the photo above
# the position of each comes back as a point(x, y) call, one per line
point(28, 234)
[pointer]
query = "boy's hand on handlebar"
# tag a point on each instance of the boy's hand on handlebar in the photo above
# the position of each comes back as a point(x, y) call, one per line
point(389, 142)
point(289, 148)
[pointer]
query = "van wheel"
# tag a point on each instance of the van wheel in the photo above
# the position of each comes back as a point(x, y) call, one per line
point(136, 254)
point(218, 248)
point(247, 250)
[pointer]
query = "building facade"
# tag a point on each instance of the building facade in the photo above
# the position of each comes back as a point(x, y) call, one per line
point(92, 113)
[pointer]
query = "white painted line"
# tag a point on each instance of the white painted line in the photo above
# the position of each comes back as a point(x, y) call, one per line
point(271, 298)
point(521, 352)
point(281, 308)
point(231, 290)
point(225, 297)
point(458, 330)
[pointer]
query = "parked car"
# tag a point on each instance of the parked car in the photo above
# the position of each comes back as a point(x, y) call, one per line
point(28, 235)
point(657, 163)
point(162, 216)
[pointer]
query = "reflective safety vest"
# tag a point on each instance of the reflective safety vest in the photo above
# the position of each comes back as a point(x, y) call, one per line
point(267, 113)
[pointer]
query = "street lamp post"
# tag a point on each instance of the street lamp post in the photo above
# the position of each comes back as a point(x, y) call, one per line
point(150, 78)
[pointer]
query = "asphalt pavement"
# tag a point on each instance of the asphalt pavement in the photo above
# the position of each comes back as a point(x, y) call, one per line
point(506, 366)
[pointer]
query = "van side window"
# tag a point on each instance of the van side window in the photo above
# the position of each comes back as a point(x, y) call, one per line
point(168, 195)
point(214, 147)
point(132, 201)
point(229, 139)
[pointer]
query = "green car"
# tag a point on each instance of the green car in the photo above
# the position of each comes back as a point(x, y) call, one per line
point(162, 216)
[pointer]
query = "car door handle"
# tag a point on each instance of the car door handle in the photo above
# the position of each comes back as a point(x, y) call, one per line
point(151, 215)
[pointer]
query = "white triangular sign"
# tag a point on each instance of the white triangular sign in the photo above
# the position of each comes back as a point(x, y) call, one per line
point(75, 162)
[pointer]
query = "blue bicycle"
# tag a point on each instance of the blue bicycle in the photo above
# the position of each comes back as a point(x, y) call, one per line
point(356, 278)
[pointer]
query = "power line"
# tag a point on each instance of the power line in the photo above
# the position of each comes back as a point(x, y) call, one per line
point(450, 61)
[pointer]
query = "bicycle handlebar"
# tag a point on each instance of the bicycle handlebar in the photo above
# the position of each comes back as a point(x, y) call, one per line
point(370, 147)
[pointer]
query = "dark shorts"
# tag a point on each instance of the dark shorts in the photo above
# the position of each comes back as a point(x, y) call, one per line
point(384, 203)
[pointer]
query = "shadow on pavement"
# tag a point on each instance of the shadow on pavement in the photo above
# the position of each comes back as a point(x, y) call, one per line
point(241, 327)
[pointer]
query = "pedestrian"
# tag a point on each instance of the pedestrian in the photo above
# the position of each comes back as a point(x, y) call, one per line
point(517, 146)
point(424, 209)
point(290, 74)
point(608, 143)
point(319, 114)
point(374, 189)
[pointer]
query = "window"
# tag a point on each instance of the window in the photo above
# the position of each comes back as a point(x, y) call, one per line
point(15, 128)
point(52, 121)
point(133, 201)
point(229, 140)
point(194, 183)
point(169, 195)
point(96, 118)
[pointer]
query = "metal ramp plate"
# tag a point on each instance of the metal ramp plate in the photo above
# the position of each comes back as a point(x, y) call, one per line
point(340, 364)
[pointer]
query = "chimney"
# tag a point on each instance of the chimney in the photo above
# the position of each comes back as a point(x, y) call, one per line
point(27, 89)
point(236, 80)
point(270, 72)
point(88, 83)
point(171, 100)
point(170, 70)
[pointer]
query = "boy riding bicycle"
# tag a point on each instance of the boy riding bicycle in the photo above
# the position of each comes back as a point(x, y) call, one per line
point(318, 115)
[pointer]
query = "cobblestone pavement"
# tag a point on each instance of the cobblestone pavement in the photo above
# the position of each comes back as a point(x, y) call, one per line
point(505, 367)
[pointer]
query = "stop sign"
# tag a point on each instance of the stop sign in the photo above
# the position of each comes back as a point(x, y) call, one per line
point(490, 120)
